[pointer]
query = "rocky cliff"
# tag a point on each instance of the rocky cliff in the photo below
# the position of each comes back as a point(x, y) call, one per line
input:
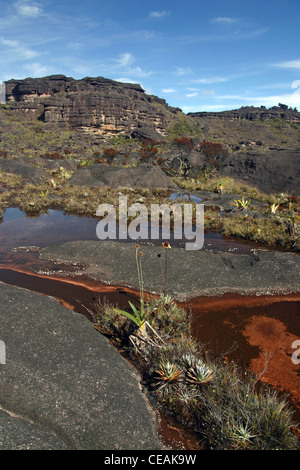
point(252, 113)
point(251, 127)
point(60, 117)
point(96, 105)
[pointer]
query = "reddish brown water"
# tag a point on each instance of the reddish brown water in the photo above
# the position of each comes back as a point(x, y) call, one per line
point(259, 331)
point(261, 328)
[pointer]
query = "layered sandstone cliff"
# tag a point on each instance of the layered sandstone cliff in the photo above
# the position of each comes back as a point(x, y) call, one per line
point(96, 105)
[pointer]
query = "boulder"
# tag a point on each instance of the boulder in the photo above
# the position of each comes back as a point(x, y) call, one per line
point(142, 176)
point(63, 385)
point(146, 133)
point(25, 168)
point(271, 172)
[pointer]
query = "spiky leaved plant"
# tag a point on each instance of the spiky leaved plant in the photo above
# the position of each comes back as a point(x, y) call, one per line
point(168, 373)
point(139, 317)
point(241, 204)
point(199, 373)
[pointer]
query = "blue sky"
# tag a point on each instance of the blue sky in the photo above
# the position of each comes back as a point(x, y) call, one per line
point(208, 55)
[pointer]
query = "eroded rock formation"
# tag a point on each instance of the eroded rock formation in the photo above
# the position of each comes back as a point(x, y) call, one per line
point(97, 105)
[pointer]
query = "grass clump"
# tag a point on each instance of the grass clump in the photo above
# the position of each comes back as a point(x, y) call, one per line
point(223, 185)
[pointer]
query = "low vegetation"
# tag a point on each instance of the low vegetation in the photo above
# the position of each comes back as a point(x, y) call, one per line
point(276, 222)
point(226, 407)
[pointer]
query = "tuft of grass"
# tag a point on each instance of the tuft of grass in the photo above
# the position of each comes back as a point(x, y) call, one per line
point(269, 231)
point(228, 185)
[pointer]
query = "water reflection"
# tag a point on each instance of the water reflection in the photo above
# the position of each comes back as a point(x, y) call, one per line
point(181, 197)
point(55, 227)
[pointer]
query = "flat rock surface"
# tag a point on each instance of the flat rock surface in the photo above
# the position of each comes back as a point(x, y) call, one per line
point(189, 273)
point(62, 385)
point(142, 176)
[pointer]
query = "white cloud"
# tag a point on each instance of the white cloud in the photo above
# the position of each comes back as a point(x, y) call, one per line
point(273, 86)
point(16, 49)
point(125, 80)
point(208, 81)
point(235, 101)
point(121, 66)
point(208, 92)
point(168, 90)
point(124, 60)
point(204, 107)
point(147, 90)
point(28, 9)
point(290, 99)
point(224, 20)
point(180, 71)
point(159, 14)
point(295, 84)
point(12, 43)
point(192, 95)
point(290, 64)
point(38, 70)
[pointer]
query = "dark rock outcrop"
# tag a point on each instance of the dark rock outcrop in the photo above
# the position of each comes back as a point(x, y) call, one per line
point(251, 127)
point(25, 169)
point(142, 176)
point(252, 113)
point(63, 385)
point(146, 133)
point(271, 172)
point(97, 105)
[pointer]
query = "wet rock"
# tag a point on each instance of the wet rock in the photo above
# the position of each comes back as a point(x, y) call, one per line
point(190, 273)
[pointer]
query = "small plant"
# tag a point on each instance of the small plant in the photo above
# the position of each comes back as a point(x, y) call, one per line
point(168, 373)
point(220, 187)
point(139, 317)
point(274, 208)
point(199, 373)
point(65, 174)
point(216, 398)
point(84, 163)
point(291, 220)
point(110, 154)
point(242, 204)
point(148, 150)
point(241, 435)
